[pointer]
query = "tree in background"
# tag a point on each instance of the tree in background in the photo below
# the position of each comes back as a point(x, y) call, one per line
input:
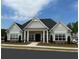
point(4, 35)
point(73, 27)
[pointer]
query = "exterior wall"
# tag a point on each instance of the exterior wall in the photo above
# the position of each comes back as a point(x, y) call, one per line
point(8, 36)
point(37, 27)
point(60, 29)
point(14, 30)
point(53, 35)
point(36, 24)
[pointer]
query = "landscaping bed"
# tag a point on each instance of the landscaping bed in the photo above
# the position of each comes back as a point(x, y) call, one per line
point(58, 45)
point(13, 42)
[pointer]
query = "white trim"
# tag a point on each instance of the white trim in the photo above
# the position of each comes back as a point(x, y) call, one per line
point(44, 24)
point(27, 36)
point(43, 36)
point(62, 24)
point(33, 20)
point(47, 36)
point(24, 36)
point(13, 25)
point(66, 26)
point(34, 37)
point(53, 27)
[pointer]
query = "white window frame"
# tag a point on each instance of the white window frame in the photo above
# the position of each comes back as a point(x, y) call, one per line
point(14, 36)
point(62, 37)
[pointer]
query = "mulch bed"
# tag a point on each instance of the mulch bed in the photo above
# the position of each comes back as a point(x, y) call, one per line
point(58, 45)
point(13, 42)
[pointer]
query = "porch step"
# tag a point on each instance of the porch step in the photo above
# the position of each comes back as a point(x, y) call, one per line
point(33, 44)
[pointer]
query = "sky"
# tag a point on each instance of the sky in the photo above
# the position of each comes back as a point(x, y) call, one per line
point(21, 11)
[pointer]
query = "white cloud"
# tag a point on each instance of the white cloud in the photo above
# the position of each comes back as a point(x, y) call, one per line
point(11, 17)
point(26, 8)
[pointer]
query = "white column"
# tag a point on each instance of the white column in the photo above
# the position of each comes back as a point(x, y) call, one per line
point(8, 36)
point(47, 37)
point(34, 36)
point(43, 36)
point(27, 36)
point(24, 36)
point(66, 37)
point(53, 37)
point(21, 37)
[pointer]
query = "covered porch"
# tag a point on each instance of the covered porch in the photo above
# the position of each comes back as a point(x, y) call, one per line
point(37, 35)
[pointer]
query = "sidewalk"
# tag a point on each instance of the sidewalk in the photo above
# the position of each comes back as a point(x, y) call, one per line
point(33, 44)
point(35, 47)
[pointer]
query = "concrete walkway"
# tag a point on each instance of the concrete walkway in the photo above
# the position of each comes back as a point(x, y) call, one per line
point(33, 44)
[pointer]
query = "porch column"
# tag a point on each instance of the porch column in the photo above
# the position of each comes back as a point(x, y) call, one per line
point(21, 37)
point(24, 36)
point(47, 37)
point(53, 37)
point(43, 36)
point(34, 36)
point(27, 36)
point(66, 37)
point(8, 36)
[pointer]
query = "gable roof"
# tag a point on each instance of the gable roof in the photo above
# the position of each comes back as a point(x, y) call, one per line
point(20, 25)
point(62, 24)
point(48, 22)
point(26, 23)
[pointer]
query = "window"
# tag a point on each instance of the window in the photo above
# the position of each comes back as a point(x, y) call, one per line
point(14, 36)
point(56, 37)
point(60, 37)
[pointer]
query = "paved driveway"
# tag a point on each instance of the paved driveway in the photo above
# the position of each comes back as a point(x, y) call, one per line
point(29, 54)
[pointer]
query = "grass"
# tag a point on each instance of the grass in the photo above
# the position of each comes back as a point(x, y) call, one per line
point(58, 45)
point(40, 49)
point(13, 42)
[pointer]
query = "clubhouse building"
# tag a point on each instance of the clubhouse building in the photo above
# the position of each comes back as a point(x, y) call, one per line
point(39, 30)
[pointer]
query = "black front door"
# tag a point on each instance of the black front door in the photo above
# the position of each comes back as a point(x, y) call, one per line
point(68, 40)
point(37, 37)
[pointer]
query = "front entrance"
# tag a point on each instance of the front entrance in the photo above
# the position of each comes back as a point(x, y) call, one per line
point(68, 40)
point(37, 37)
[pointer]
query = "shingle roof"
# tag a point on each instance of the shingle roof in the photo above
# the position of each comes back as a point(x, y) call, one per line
point(26, 23)
point(20, 25)
point(48, 22)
